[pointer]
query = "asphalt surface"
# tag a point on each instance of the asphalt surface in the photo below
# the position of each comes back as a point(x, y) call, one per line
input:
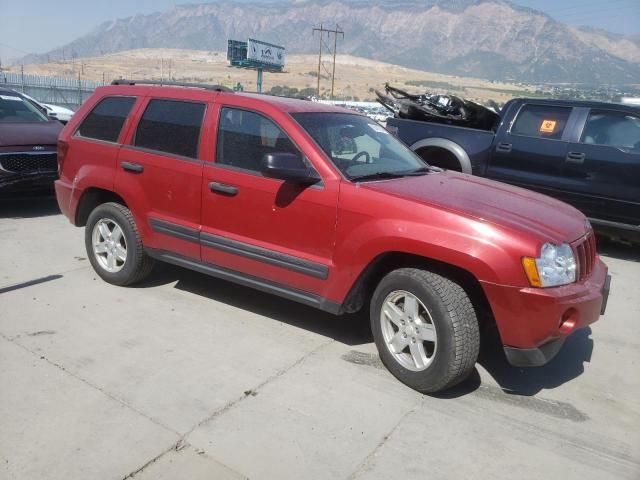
point(187, 377)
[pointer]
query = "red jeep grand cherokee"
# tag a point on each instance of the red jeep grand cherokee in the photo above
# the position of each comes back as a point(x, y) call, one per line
point(323, 206)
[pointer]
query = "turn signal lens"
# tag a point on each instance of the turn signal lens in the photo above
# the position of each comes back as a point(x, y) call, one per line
point(531, 270)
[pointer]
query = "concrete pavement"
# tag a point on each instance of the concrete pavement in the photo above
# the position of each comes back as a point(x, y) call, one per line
point(190, 377)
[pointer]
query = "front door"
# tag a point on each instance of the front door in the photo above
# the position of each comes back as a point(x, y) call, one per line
point(265, 228)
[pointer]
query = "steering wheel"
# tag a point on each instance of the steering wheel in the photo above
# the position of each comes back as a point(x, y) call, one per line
point(362, 154)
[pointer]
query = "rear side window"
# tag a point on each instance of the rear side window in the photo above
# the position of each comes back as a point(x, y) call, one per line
point(171, 126)
point(106, 119)
point(244, 138)
point(542, 121)
point(614, 129)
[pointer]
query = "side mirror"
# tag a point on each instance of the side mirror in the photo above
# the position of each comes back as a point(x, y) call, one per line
point(288, 167)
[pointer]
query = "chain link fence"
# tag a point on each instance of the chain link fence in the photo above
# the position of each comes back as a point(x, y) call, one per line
point(64, 91)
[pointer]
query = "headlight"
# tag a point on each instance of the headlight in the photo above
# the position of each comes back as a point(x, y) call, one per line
point(555, 266)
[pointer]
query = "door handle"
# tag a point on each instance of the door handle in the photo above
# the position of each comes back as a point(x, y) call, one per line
point(228, 190)
point(503, 147)
point(132, 167)
point(575, 157)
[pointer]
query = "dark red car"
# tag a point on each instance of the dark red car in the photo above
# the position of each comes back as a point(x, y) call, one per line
point(28, 139)
point(323, 206)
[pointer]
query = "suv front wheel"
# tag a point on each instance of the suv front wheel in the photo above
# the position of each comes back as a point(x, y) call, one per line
point(114, 246)
point(425, 328)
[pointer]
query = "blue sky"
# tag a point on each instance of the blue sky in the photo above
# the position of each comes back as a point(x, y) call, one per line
point(36, 26)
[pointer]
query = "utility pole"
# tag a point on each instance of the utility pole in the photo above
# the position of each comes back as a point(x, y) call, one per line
point(335, 49)
point(321, 29)
point(335, 32)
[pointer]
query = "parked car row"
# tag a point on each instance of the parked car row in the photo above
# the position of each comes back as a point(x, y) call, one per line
point(28, 140)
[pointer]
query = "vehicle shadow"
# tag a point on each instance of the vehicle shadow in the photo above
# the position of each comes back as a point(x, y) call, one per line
point(350, 329)
point(567, 365)
point(622, 251)
point(354, 330)
point(29, 207)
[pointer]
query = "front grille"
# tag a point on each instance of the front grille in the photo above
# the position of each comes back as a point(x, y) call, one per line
point(29, 162)
point(585, 251)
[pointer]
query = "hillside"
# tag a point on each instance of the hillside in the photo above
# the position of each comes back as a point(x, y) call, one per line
point(355, 77)
point(483, 38)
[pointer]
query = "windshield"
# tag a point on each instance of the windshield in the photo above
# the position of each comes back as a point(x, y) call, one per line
point(15, 109)
point(359, 147)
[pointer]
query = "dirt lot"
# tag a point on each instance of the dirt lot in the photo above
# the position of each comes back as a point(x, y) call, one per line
point(190, 377)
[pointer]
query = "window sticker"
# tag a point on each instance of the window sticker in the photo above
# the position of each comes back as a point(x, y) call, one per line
point(10, 97)
point(547, 126)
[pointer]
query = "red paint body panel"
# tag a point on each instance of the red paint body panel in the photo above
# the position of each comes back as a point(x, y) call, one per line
point(528, 317)
point(272, 214)
point(477, 225)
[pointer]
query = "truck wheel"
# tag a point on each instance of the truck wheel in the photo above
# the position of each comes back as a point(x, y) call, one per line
point(114, 246)
point(425, 328)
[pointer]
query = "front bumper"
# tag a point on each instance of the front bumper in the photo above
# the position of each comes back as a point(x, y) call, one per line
point(534, 322)
point(27, 171)
point(12, 184)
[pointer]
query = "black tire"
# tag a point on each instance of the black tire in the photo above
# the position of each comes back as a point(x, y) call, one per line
point(138, 264)
point(453, 317)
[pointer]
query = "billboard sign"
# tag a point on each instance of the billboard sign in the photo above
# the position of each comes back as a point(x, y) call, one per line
point(265, 53)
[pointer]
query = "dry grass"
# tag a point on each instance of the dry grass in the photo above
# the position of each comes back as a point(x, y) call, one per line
point(355, 77)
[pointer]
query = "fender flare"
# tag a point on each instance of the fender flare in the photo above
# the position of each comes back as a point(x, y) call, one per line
point(459, 152)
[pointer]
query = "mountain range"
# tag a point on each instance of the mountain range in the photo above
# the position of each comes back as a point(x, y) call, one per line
point(492, 39)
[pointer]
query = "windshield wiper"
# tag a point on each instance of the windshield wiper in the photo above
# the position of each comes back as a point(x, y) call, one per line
point(378, 176)
point(418, 171)
point(386, 175)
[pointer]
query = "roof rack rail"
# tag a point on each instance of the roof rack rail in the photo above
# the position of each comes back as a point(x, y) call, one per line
point(216, 88)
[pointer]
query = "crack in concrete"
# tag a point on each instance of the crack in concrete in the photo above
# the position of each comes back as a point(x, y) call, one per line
point(176, 446)
point(86, 382)
point(366, 464)
point(255, 389)
point(182, 441)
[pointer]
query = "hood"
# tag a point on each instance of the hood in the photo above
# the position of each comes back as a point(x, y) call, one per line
point(33, 133)
point(490, 201)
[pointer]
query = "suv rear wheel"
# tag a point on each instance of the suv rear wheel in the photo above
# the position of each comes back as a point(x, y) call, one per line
point(114, 246)
point(425, 328)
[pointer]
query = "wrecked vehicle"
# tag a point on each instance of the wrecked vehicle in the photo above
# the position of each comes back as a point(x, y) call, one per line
point(447, 109)
point(586, 154)
point(28, 142)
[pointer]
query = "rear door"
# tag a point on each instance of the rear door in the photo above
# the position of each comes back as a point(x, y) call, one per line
point(97, 139)
point(263, 227)
point(531, 151)
point(604, 164)
point(160, 171)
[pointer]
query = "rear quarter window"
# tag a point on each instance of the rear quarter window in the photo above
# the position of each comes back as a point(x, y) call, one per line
point(171, 126)
point(105, 121)
point(541, 121)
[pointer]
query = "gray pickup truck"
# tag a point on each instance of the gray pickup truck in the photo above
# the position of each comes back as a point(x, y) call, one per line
point(584, 153)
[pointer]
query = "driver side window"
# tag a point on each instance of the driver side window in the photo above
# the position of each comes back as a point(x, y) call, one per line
point(245, 137)
point(611, 128)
